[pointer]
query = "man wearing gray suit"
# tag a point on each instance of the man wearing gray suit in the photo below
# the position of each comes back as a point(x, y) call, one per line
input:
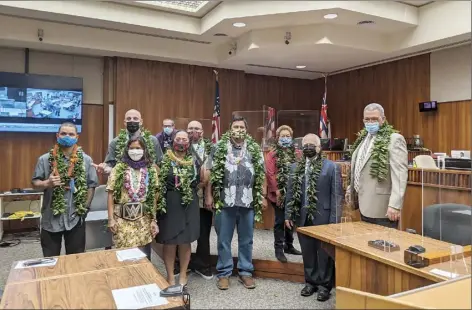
point(314, 197)
point(379, 170)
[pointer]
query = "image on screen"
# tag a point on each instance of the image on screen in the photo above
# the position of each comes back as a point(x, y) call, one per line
point(47, 103)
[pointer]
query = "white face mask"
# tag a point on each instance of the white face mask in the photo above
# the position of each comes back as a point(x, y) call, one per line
point(136, 155)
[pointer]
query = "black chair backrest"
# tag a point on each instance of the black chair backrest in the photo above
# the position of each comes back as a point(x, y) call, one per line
point(449, 222)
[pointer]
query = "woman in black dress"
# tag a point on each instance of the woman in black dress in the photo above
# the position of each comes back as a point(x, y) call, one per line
point(178, 210)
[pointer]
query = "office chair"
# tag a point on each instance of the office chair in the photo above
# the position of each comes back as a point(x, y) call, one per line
point(425, 162)
point(99, 201)
point(449, 222)
point(97, 234)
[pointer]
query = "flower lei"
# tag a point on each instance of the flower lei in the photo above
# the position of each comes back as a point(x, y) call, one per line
point(186, 173)
point(135, 195)
point(151, 190)
point(284, 158)
point(123, 138)
point(218, 173)
point(75, 170)
point(298, 178)
point(379, 167)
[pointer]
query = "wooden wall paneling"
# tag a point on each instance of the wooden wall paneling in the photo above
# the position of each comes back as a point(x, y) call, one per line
point(107, 62)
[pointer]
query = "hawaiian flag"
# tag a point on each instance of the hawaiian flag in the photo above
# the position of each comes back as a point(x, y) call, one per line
point(270, 124)
point(215, 122)
point(325, 128)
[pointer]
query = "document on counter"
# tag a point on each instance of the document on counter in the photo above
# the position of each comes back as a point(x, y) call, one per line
point(130, 254)
point(138, 297)
point(444, 273)
point(35, 263)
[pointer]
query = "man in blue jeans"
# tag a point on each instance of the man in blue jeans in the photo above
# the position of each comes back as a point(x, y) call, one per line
point(234, 164)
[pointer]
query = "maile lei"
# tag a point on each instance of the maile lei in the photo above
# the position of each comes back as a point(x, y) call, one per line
point(123, 138)
point(75, 170)
point(218, 173)
point(207, 143)
point(284, 158)
point(379, 166)
point(298, 178)
point(123, 180)
point(185, 173)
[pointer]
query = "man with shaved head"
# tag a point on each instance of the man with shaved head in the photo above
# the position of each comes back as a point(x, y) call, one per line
point(314, 197)
point(200, 150)
point(133, 123)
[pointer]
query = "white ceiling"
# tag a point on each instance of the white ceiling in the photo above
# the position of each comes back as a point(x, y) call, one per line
point(185, 33)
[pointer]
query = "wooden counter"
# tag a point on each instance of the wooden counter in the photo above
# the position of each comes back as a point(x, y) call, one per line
point(71, 284)
point(453, 294)
point(364, 268)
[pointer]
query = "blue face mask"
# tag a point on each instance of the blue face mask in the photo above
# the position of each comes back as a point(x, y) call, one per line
point(168, 130)
point(372, 128)
point(285, 141)
point(66, 141)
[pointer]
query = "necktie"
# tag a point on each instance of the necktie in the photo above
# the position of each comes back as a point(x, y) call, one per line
point(361, 156)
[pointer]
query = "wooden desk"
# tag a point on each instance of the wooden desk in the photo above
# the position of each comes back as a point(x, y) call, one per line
point(453, 294)
point(81, 281)
point(364, 268)
point(71, 264)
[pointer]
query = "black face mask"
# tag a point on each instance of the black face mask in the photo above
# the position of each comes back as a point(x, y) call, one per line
point(132, 127)
point(309, 150)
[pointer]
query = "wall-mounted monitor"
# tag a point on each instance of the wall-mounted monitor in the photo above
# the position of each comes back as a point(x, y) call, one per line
point(428, 106)
point(39, 103)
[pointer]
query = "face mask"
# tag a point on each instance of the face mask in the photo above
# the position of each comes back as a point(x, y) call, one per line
point(66, 141)
point(372, 128)
point(132, 127)
point(180, 147)
point(285, 141)
point(238, 134)
point(136, 154)
point(194, 135)
point(168, 130)
point(309, 150)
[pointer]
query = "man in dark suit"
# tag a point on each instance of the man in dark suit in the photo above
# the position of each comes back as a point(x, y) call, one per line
point(314, 197)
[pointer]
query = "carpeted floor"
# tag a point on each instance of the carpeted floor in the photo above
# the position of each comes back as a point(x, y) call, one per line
point(269, 294)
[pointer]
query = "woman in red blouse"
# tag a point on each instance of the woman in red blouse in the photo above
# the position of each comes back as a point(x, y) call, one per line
point(278, 162)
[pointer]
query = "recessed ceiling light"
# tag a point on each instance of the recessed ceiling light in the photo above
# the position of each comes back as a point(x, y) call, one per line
point(239, 25)
point(300, 67)
point(331, 16)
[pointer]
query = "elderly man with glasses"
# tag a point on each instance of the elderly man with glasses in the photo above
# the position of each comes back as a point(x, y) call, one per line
point(379, 170)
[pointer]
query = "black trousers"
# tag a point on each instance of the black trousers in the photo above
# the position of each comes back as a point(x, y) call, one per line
point(201, 259)
point(74, 241)
point(382, 222)
point(317, 264)
point(146, 250)
point(282, 235)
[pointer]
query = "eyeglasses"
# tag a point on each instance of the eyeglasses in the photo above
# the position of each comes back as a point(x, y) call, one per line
point(194, 129)
point(371, 120)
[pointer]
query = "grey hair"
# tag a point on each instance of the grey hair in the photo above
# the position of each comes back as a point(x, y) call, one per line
point(375, 107)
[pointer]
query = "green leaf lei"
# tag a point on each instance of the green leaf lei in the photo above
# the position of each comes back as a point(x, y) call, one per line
point(208, 145)
point(379, 166)
point(186, 174)
point(218, 173)
point(79, 195)
point(123, 138)
point(298, 178)
point(284, 158)
point(150, 201)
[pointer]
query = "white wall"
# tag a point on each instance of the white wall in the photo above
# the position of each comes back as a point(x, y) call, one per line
point(451, 74)
point(88, 68)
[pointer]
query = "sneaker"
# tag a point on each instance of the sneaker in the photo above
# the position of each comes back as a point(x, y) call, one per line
point(205, 273)
point(247, 281)
point(223, 283)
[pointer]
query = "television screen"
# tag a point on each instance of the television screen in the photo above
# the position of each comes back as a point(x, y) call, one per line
point(39, 103)
point(428, 106)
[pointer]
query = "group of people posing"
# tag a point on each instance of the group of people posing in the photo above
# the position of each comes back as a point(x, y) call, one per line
point(171, 187)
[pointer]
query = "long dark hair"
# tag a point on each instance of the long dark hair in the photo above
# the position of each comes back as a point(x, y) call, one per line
point(146, 156)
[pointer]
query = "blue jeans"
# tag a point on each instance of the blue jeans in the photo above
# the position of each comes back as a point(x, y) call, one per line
point(225, 221)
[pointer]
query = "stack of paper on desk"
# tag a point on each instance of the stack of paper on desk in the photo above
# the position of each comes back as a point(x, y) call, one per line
point(130, 254)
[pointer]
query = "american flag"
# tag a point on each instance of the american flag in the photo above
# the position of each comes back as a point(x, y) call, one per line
point(215, 122)
point(325, 127)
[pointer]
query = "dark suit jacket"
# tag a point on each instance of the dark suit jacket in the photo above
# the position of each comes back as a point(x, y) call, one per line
point(330, 196)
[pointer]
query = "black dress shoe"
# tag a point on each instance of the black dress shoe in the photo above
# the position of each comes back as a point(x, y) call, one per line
point(308, 290)
point(292, 250)
point(279, 254)
point(323, 295)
